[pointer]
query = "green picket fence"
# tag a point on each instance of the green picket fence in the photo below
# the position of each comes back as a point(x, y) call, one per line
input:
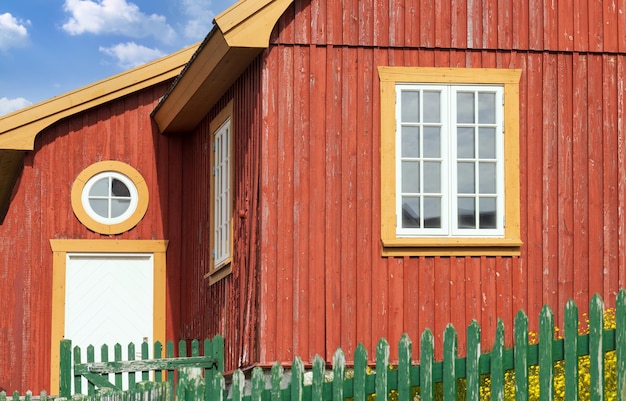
point(162, 367)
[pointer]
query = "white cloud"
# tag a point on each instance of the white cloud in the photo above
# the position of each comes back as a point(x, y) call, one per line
point(13, 32)
point(9, 105)
point(115, 17)
point(200, 18)
point(129, 55)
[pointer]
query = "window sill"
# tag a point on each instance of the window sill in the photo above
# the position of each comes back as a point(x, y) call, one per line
point(451, 247)
point(218, 274)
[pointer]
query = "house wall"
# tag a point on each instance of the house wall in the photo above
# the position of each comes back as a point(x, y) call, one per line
point(229, 306)
point(40, 210)
point(324, 283)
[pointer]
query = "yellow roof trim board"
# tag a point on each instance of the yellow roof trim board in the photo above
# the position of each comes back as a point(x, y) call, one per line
point(240, 34)
point(19, 129)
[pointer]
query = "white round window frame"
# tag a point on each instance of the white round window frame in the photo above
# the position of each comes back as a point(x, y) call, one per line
point(134, 196)
point(125, 173)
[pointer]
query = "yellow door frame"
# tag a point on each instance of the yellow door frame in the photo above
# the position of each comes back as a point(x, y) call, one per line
point(60, 249)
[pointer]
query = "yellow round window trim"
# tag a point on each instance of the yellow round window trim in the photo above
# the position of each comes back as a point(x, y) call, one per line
point(112, 166)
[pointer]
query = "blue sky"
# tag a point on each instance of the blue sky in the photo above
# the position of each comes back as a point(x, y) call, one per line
point(50, 47)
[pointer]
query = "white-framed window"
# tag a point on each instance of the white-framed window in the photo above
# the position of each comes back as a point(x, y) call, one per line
point(109, 197)
point(449, 160)
point(222, 196)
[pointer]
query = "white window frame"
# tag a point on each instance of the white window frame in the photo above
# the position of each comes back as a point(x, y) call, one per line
point(448, 158)
point(110, 175)
point(222, 195)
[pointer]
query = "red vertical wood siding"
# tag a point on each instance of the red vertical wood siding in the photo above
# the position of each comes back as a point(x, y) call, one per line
point(228, 307)
point(41, 210)
point(571, 152)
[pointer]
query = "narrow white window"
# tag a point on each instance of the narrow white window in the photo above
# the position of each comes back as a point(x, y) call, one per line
point(222, 194)
point(449, 161)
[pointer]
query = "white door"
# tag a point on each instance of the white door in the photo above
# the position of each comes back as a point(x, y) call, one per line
point(109, 299)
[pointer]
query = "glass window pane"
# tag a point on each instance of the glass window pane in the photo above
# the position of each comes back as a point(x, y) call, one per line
point(466, 213)
point(100, 187)
point(118, 188)
point(486, 108)
point(432, 212)
point(432, 177)
point(466, 180)
point(410, 106)
point(100, 207)
point(487, 178)
point(410, 177)
point(487, 143)
point(465, 143)
point(410, 212)
point(488, 212)
point(464, 107)
point(410, 142)
point(432, 142)
point(119, 206)
point(432, 107)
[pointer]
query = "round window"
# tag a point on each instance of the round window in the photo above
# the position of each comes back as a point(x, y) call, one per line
point(109, 197)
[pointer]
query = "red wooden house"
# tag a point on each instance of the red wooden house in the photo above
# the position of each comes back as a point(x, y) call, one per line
point(325, 173)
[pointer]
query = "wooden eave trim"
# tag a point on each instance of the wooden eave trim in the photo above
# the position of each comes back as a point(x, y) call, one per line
point(240, 34)
point(249, 23)
point(207, 77)
point(19, 129)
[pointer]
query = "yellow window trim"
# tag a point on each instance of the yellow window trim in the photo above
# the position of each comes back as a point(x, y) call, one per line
point(114, 166)
point(61, 248)
point(404, 246)
point(218, 272)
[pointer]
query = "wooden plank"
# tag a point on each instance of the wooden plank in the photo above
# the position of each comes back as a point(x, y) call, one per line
point(317, 191)
point(365, 212)
point(474, 24)
point(610, 171)
point(334, 22)
point(302, 24)
point(333, 198)
point(366, 23)
point(397, 301)
point(269, 145)
point(535, 25)
point(610, 26)
point(550, 177)
point(490, 24)
point(596, 354)
point(458, 298)
point(427, 281)
point(397, 23)
point(443, 25)
point(550, 26)
point(504, 289)
point(565, 24)
point(427, 23)
point(350, 22)
point(348, 183)
point(458, 24)
point(521, 26)
point(596, 28)
point(318, 22)
point(565, 182)
point(412, 23)
point(581, 180)
point(581, 25)
point(302, 299)
point(546, 366)
point(621, 163)
point(505, 24)
point(441, 307)
point(381, 25)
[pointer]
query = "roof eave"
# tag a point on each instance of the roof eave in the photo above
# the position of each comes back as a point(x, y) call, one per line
point(240, 34)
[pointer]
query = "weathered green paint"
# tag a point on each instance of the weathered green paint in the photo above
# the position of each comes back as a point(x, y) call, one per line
point(596, 356)
point(360, 373)
point(497, 365)
point(382, 369)
point(276, 377)
point(427, 359)
point(620, 344)
point(450, 349)
point(65, 369)
point(521, 357)
point(472, 360)
point(405, 354)
point(339, 372)
point(571, 354)
point(546, 364)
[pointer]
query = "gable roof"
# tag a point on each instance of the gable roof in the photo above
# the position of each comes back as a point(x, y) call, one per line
point(203, 72)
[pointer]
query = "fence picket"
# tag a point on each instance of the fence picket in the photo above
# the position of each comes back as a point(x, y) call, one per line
point(521, 357)
point(404, 368)
point(297, 379)
point(276, 378)
point(596, 356)
point(145, 355)
point(471, 361)
point(546, 366)
point(117, 352)
point(169, 353)
point(78, 382)
point(360, 373)
point(158, 354)
point(317, 382)
point(239, 381)
point(132, 382)
point(571, 351)
point(382, 369)
point(91, 357)
point(339, 371)
point(450, 349)
point(427, 359)
point(497, 364)
point(620, 344)
point(258, 384)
